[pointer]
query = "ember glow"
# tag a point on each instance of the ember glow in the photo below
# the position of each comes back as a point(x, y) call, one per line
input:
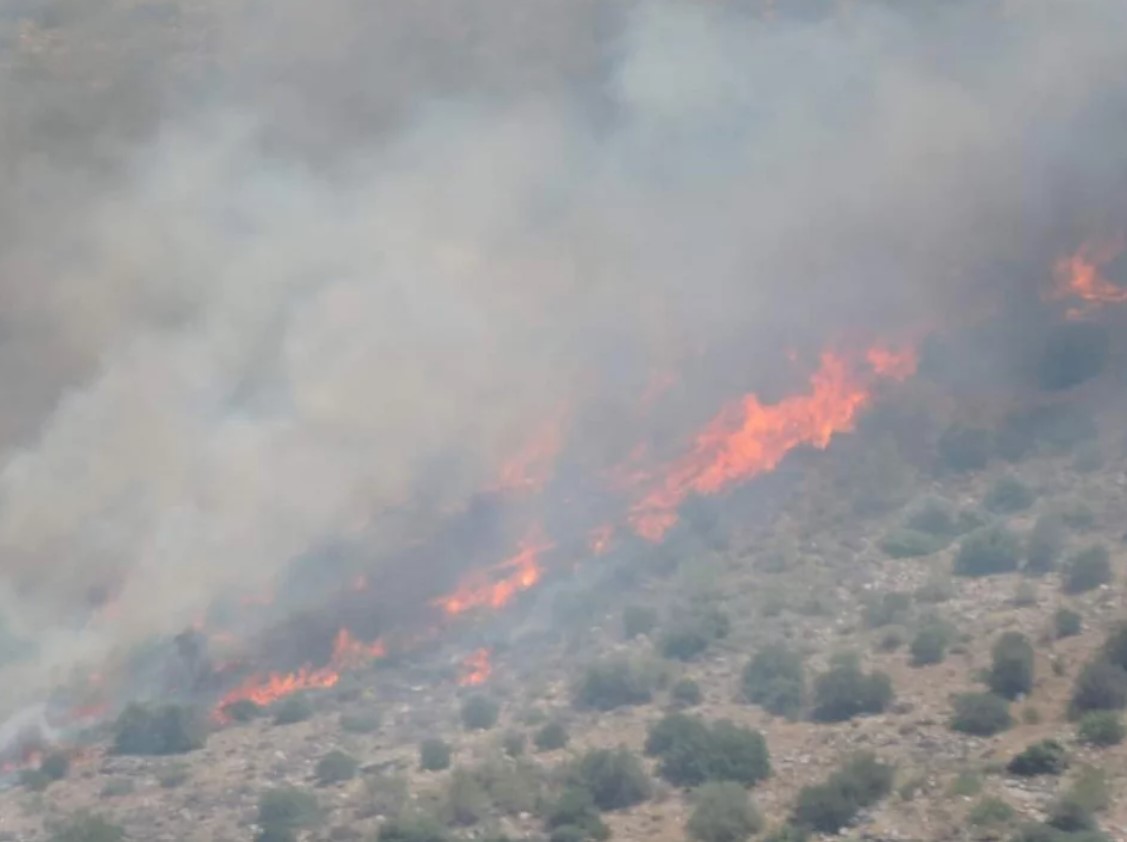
point(1080, 276)
point(497, 585)
point(749, 438)
point(476, 668)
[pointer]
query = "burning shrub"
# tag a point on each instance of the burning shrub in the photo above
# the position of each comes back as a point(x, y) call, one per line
point(638, 620)
point(336, 766)
point(1009, 495)
point(434, 755)
point(1101, 728)
point(1073, 353)
point(551, 736)
point(844, 691)
point(1047, 757)
point(685, 693)
point(575, 818)
point(964, 448)
point(774, 680)
point(989, 550)
point(86, 827)
point(480, 712)
point(690, 752)
point(723, 813)
point(615, 779)
point(292, 709)
point(1011, 672)
point(929, 646)
point(1087, 570)
point(284, 811)
point(1045, 544)
point(169, 729)
point(980, 714)
point(1101, 685)
point(613, 684)
point(828, 807)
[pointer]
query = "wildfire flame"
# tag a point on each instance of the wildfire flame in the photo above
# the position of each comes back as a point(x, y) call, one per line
point(476, 668)
point(750, 438)
point(497, 585)
point(1080, 276)
point(531, 467)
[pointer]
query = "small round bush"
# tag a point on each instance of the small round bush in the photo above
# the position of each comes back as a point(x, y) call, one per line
point(1046, 757)
point(334, 767)
point(479, 713)
point(824, 808)
point(434, 755)
point(1101, 728)
point(615, 779)
point(1011, 672)
point(723, 813)
point(1009, 495)
point(911, 543)
point(774, 679)
point(986, 551)
point(929, 646)
point(574, 817)
point(1114, 649)
point(638, 620)
point(990, 811)
point(1087, 570)
point(1067, 622)
point(1044, 545)
point(844, 691)
point(613, 684)
point(685, 693)
point(980, 714)
point(412, 829)
point(287, 809)
point(167, 729)
point(359, 723)
point(933, 516)
point(1100, 685)
point(551, 736)
point(1070, 816)
point(692, 752)
point(513, 743)
point(292, 709)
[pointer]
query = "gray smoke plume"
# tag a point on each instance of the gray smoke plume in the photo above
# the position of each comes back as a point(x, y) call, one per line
point(264, 265)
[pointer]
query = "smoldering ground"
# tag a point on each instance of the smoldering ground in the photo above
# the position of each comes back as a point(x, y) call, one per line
point(285, 268)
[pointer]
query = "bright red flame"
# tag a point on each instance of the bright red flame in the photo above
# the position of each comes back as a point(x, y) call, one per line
point(750, 438)
point(1080, 276)
point(476, 668)
point(497, 585)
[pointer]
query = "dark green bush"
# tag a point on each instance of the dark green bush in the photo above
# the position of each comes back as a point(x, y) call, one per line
point(287, 809)
point(1101, 728)
point(1100, 685)
point(434, 755)
point(574, 817)
point(360, 723)
point(1067, 622)
point(513, 743)
point(691, 635)
point(844, 691)
point(336, 766)
point(1046, 757)
point(613, 684)
point(1045, 544)
point(887, 609)
point(1009, 495)
point(243, 710)
point(911, 543)
point(1011, 673)
point(774, 679)
point(615, 779)
point(787, 833)
point(933, 516)
point(638, 620)
point(1087, 570)
point(986, 551)
point(690, 752)
point(1114, 648)
point(55, 765)
point(412, 829)
point(168, 729)
point(685, 693)
point(964, 448)
point(551, 736)
point(723, 813)
point(479, 712)
point(828, 807)
point(292, 709)
point(990, 811)
point(980, 714)
point(929, 646)
point(1070, 816)
point(86, 827)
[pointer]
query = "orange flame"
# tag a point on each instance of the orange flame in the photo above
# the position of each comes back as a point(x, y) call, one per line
point(749, 438)
point(496, 586)
point(531, 467)
point(476, 668)
point(1080, 276)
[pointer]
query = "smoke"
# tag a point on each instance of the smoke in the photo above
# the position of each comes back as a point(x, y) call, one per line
point(290, 267)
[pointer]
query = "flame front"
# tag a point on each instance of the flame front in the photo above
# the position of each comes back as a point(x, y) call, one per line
point(531, 467)
point(476, 668)
point(1080, 276)
point(750, 438)
point(497, 585)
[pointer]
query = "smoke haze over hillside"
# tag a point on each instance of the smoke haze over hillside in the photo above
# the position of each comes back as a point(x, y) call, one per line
point(325, 259)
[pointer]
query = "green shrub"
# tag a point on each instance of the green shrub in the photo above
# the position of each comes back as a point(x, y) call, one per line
point(887, 609)
point(844, 691)
point(787, 833)
point(35, 780)
point(1090, 790)
point(980, 714)
point(828, 807)
point(336, 766)
point(551, 736)
point(574, 817)
point(1045, 544)
point(986, 551)
point(691, 752)
point(243, 710)
point(1067, 622)
point(964, 448)
point(360, 723)
point(479, 712)
point(1011, 673)
point(1114, 648)
point(613, 684)
point(1101, 728)
point(55, 765)
point(168, 729)
point(934, 516)
point(690, 636)
point(287, 809)
point(1100, 685)
point(466, 801)
point(292, 709)
point(86, 827)
point(1046, 757)
point(1070, 816)
point(929, 646)
point(1087, 570)
point(412, 829)
point(723, 813)
point(513, 743)
point(434, 755)
point(774, 680)
point(685, 693)
point(990, 811)
point(638, 620)
point(910, 543)
point(1009, 495)
point(615, 779)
